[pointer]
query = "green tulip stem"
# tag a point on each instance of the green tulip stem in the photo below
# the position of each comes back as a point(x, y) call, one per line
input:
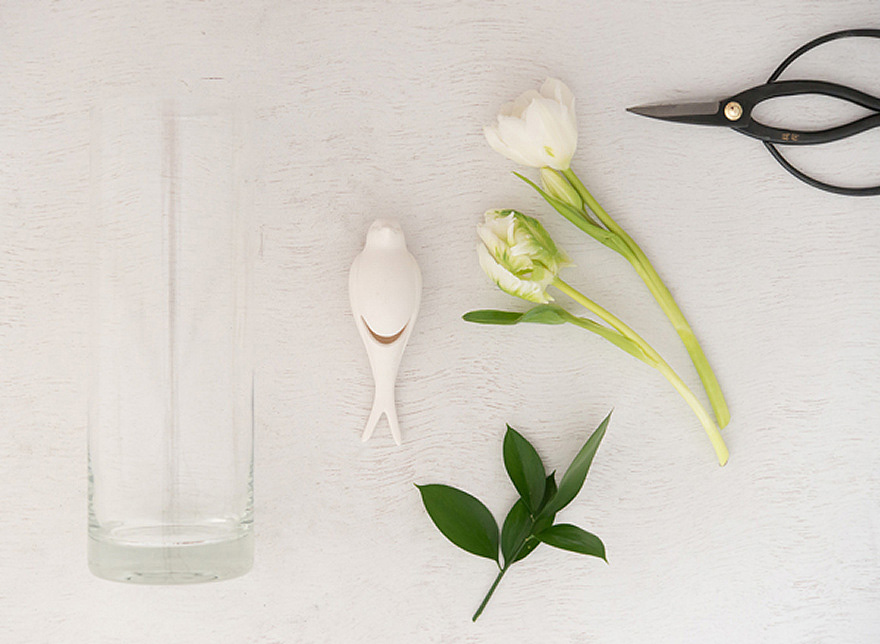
point(661, 365)
point(664, 298)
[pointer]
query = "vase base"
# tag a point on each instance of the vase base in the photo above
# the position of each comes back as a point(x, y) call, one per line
point(181, 563)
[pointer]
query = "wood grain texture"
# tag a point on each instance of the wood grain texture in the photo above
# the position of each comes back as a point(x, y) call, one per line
point(368, 109)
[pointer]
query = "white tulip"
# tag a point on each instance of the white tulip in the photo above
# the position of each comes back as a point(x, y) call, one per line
point(538, 129)
point(519, 255)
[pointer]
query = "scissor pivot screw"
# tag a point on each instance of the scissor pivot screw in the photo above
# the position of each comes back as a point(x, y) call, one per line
point(733, 111)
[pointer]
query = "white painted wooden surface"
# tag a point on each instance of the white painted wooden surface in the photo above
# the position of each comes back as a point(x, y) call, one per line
point(375, 109)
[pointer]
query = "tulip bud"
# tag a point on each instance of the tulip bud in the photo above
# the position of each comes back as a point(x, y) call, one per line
point(519, 255)
point(559, 188)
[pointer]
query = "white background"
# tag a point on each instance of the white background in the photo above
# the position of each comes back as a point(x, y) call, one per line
point(376, 109)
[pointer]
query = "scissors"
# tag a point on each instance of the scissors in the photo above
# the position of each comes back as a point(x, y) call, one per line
point(736, 112)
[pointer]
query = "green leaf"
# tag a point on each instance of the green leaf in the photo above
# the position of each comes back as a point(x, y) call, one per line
point(542, 522)
point(525, 469)
point(545, 314)
point(462, 519)
point(573, 479)
point(553, 314)
point(570, 537)
point(490, 316)
point(541, 314)
point(582, 219)
point(517, 526)
point(530, 544)
point(549, 488)
point(620, 341)
point(579, 218)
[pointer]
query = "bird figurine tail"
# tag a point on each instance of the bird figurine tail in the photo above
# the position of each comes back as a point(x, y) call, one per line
point(383, 403)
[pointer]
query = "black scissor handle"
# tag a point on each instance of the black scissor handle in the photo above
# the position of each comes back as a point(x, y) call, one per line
point(821, 40)
point(750, 98)
point(771, 147)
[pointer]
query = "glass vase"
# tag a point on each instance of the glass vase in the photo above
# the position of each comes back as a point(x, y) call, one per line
point(170, 445)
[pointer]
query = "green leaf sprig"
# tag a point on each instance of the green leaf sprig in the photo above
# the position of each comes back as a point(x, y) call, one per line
point(466, 522)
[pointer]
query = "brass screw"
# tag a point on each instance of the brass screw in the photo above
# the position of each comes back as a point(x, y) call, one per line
point(733, 111)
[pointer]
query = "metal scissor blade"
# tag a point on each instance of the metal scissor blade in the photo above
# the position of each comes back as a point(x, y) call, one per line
point(698, 113)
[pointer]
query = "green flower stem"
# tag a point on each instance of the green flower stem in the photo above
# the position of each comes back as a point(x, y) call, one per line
point(489, 594)
point(661, 365)
point(664, 298)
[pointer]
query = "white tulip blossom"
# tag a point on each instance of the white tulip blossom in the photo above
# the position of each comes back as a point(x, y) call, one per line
point(519, 255)
point(538, 129)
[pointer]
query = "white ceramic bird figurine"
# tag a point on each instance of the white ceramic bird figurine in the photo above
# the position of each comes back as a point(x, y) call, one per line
point(385, 288)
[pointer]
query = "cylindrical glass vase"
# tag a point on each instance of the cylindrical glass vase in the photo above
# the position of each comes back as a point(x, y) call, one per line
point(171, 399)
